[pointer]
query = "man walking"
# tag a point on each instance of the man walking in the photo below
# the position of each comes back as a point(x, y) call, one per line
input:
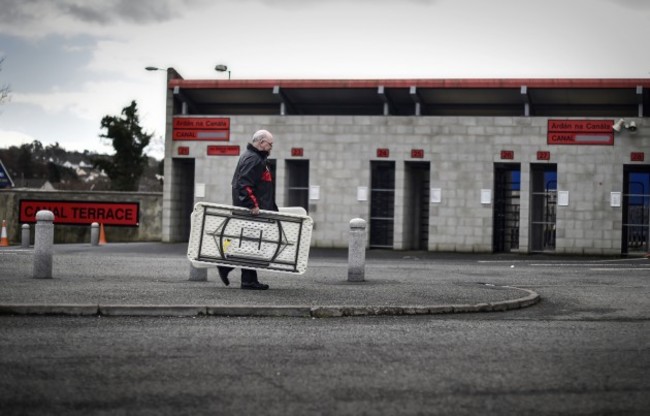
point(252, 188)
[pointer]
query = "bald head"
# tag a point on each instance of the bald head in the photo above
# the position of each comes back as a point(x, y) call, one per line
point(263, 140)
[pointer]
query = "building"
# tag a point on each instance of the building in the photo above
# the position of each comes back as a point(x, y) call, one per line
point(481, 165)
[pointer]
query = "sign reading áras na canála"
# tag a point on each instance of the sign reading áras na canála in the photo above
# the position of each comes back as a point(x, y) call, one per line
point(581, 132)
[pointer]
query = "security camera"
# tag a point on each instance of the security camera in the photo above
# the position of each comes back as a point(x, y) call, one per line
point(631, 126)
point(618, 125)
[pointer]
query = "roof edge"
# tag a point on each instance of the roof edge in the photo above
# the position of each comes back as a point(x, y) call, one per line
point(597, 83)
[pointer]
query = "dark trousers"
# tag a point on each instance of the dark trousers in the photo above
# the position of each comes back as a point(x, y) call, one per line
point(247, 276)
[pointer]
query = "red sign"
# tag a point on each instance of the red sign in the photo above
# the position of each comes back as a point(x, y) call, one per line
point(223, 150)
point(581, 132)
point(297, 151)
point(507, 154)
point(183, 150)
point(417, 153)
point(83, 212)
point(637, 156)
point(201, 123)
point(213, 135)
point(201, 128)
point(383, 152)
point(543, 155)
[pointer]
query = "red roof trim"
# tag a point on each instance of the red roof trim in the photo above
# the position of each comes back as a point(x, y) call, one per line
point(420, 83)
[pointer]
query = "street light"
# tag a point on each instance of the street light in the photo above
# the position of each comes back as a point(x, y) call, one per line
point(222, 68)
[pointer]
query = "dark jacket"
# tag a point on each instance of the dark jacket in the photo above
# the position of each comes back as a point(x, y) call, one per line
point(252, 184)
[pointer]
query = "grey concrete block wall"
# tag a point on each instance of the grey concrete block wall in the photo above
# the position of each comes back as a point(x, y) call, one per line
point(462, 152)
point(173, 218)
point(589, 220)
point(169, 218)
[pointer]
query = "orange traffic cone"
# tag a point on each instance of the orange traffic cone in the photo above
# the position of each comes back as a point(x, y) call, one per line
point(4, 241)
point(102, 235)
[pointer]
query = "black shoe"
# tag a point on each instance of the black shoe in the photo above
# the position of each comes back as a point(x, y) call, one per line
point(254, 286)
point(223, 274)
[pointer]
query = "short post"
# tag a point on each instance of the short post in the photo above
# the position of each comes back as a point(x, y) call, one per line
point(357, 250)
point(198, 274)
point(24, 237)
point(43, 242)
point(94, 234)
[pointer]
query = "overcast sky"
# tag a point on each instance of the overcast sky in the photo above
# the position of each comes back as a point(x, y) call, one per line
point(71, 62)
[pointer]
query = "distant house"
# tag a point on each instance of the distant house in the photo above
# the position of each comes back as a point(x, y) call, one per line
point(40, 184)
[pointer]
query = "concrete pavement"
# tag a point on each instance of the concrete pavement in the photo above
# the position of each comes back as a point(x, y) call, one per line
point(151, 279)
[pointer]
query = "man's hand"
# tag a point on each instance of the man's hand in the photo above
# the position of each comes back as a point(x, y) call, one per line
point(255, 211)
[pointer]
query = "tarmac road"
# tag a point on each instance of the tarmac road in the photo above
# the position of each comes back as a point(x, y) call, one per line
point(461, 365)
point(583, 350)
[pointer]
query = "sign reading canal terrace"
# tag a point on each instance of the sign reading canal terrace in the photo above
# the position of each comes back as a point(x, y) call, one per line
point(83, 212)
point(581, 132)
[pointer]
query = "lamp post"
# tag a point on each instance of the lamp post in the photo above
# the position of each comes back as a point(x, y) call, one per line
point(222, 68)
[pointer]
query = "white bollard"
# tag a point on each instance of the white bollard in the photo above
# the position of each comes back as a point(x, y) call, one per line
point(43, 242)
point(357, 250)
point(94, 234)
point(198, 274)
point(24, 238)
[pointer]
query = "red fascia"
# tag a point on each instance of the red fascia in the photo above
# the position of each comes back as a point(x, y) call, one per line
point(596, 83)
